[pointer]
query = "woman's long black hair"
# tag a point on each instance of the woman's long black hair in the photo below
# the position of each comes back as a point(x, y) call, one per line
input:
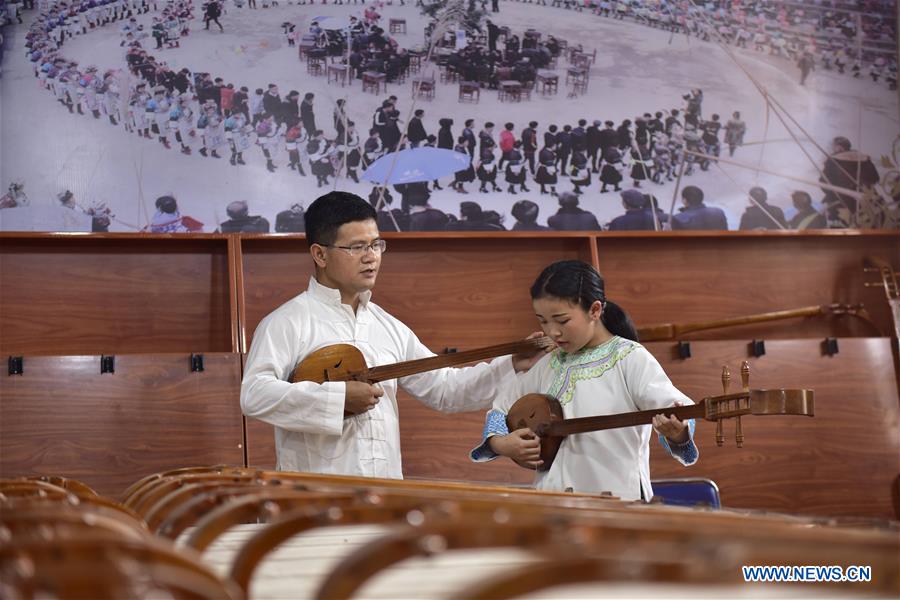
point(579, 283)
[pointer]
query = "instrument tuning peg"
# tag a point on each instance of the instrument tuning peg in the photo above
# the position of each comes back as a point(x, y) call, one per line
point(738, 433)
point(720, 434)
point(726, 379)
point(745, 375)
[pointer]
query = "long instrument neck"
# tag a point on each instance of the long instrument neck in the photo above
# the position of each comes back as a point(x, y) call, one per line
point(411, 367)
point(652, 333)
point(588, 424)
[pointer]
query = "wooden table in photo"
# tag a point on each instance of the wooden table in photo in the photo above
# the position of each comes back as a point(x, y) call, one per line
point(510, 91)
point(339, 73)
point(547, 82)
point(304, 47)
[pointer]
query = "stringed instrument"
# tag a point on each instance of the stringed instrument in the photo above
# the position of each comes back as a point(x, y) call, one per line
point(889, 283)
point(671, 331)
point(344, 362)
point(543, 414)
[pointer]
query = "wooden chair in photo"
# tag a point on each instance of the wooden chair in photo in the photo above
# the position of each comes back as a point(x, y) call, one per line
point(316, 65)
point(547, 82)
point(469, 91)
point(396, 25)
point(372, 81)
point(424, 87)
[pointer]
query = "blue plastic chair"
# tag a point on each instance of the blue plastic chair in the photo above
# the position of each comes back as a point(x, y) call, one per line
point(687, 492)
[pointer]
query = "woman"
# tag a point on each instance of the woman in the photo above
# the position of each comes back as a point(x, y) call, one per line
point(597, 368)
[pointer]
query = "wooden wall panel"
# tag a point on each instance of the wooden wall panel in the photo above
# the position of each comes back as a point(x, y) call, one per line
point(678, 279)
point(108, 295)
point(62, 417)
point(840, 462)
point(479, 284)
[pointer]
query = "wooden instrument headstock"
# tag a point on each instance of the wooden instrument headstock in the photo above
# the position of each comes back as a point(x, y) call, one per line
point(753, 402)
point(889, 283)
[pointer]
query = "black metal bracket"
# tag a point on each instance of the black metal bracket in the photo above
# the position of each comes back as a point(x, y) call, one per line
point(757, 348)
point(830, 346)
point(196, 363)
point(107, 364)
point(16, 365)
point(449, 350)
point(684, 350)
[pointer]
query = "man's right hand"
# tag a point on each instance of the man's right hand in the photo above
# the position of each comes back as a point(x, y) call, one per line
point(521, 445)
point(361, 397)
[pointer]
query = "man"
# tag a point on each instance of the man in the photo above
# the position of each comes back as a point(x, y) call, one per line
point(351, 427)
point(807, 217)
point(415, 131)
point(695, 214)
point(570, 217)
point(760, 214)
point(211, 12)
point(846, 168)
point(241, 221)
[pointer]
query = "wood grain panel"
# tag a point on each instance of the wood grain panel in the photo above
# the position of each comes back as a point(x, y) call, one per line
point(113, 295)
point(672, 279)
point(453, 292)
point(840, 462)
point(62, 417)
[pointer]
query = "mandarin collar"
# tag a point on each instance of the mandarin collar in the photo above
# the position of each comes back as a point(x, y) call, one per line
point(333, 296)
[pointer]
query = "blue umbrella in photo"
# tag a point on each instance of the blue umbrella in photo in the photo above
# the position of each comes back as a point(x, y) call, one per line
point(416, 164)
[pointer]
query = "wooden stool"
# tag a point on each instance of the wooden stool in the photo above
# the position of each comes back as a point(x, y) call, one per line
point(547, 82)
point(423, 87)
point(510, 91)
point(578, 75)
point(315, 65)
point(397, 26)
point(469, 91)
point(372, 80)
point(339, 72)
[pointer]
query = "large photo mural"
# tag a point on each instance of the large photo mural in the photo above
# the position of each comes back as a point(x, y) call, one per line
point(182, 116)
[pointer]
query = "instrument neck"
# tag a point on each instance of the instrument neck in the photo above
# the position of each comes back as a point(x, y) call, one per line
point(598, 423)
point(412, 367)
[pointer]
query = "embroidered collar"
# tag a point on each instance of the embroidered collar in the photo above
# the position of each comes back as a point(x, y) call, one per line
point(592, 363)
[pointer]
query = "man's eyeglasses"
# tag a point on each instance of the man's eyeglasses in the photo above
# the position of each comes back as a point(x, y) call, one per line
point(377, 247)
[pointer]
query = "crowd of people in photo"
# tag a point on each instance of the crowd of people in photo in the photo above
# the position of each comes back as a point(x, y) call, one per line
point(200, 112)
point(856, 37)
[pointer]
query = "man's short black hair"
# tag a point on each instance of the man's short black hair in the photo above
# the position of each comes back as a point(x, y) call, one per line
point(325, 216)
point(692, 195)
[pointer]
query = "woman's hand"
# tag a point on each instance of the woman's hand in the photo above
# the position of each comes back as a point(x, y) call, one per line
point(674, 430)
point(525, 360)
point(522, 446)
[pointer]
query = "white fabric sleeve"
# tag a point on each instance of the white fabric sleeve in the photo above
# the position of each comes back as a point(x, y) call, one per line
point(456, 389)
point(266, 394)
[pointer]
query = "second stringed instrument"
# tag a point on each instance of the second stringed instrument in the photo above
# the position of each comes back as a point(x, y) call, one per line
point(344, 362)
point(544, 416)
